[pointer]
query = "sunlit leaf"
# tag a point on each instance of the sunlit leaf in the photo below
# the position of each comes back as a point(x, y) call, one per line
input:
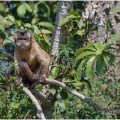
point(10, 18)
point(36, 29)
point(54, 72)
point(8, 40)
point(84, 54)
point(28, 8)
point(75, 13)
point(80, 23)
point(72, 16)
point(46, 31)
point(27, 25)
point(99, 46)
point(46, 24)
point(77, 85)
point(64, 21)
point(2, 5)
point(81, 32)
point(58, 96)
point(51, 89)
point(89, 48)
point(61, 104)
point(21, 10)
point(15, 105)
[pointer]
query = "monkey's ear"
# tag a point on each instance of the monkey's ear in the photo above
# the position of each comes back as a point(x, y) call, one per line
point(30, 35)
point(15, 36)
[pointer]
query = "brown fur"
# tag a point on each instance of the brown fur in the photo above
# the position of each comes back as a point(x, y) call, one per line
point(32, 61)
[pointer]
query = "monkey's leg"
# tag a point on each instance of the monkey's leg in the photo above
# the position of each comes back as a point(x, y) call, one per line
point(25, 71)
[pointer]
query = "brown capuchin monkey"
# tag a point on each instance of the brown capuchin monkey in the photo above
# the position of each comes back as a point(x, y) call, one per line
point(33, 61)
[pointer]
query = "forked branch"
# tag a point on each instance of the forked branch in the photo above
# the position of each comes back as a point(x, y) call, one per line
point(74, 92)
point(40, 113)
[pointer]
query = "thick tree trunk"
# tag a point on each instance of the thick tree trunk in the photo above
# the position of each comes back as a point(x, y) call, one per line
point(59, 33)
point(58, 37)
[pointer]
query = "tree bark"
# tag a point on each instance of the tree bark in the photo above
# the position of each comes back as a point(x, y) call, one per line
point(58, 37)
point(59, 33)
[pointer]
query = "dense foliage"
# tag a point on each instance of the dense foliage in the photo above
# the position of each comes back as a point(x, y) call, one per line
point(81, 66)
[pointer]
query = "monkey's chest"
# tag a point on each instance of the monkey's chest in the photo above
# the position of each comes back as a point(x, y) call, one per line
point(31, 61)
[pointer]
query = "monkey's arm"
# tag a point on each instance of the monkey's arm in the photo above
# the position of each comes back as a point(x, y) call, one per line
point(18, 77)
point(44, 61)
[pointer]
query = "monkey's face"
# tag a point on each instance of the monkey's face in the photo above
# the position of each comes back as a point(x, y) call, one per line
point(22, 39)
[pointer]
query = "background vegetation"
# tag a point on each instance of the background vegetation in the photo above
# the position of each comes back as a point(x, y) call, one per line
point(85, 64)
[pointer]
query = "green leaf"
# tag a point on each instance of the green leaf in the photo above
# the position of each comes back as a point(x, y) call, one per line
point(89, 67)
point(99, 46)
point(81, 23)
point(15, 105)
point(64, 95)
point(114, 38)
point(34, 21)
point(2, 5)
point(61, 105)
point(51, 89)
point(21, 10)
point(109, 57)
point(78, 85)
point(28, 25)
point(72, 16)
point(89, 47)
point(64, 21)
point(46, 31)
point(79, 70)
point(75, 13)
point(101, 66)
point(44, 8)
point(23, 100)
point(46, 24)
point(80, 32)
point(10, 18)
point(54, 72)
point(8, 40)
point(84, 54)
point(79, 51)
point(58, 96)
point(36, 29)
point(108, 46)
point(28, 8)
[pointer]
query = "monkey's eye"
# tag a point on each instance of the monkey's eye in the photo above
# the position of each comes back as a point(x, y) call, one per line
point(25, 38)
point(20, 39)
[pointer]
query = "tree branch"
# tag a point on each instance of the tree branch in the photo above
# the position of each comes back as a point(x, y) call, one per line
point(40, 96)
point(74, 92)
point(40, 113)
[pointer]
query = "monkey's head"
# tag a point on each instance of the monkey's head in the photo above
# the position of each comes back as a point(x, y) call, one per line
point(23, 38)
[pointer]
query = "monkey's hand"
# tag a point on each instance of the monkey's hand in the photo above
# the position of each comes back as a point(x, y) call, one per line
point(18, 81)
point(42, 78)
point(35, 77)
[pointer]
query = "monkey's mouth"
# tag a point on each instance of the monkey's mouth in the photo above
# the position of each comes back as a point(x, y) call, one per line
point(23, 47)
